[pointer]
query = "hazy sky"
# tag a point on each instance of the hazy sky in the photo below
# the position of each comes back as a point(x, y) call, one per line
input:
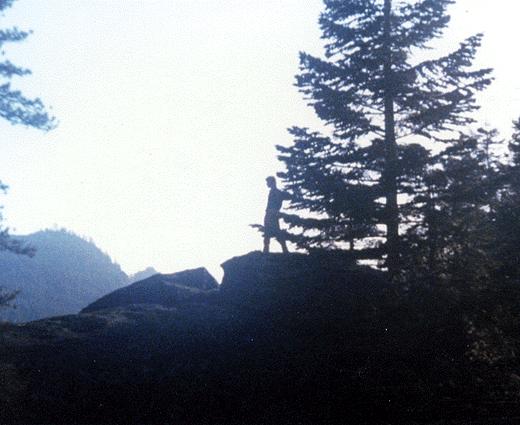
point(169, 112)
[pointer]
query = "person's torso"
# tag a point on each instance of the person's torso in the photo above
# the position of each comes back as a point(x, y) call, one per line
point(275, 199)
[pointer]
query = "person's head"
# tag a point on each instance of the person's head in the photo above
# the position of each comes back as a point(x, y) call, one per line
point(271, 182)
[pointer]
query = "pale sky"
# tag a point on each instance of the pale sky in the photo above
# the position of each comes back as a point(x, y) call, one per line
point(169, 111)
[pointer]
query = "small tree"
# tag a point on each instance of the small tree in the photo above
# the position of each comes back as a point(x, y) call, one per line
point(507, 213)
point(453, 237)
point(17, 109)
point(377, 99)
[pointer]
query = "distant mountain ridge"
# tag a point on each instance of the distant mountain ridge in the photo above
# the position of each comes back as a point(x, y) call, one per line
point(141, 275)
point(66, 274)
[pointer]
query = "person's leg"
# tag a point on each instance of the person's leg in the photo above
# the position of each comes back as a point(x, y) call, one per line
point(266, 244)
point(283, 242)
point(269, 229)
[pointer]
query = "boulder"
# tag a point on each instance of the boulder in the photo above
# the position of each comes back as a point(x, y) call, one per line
point(269, 279)
point(167, 290)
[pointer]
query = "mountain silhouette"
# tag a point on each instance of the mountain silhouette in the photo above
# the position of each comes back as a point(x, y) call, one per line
point(66, 274)
point(141, 275)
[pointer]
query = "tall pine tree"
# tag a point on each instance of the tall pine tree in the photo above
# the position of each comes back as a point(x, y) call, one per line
point(380, 105)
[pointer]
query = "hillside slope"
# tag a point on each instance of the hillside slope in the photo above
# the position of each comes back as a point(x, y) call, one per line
point(66, 273)
point(287, 339)
point(167, 290)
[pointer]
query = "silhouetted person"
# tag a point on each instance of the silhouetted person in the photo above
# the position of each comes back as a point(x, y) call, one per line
point(272, 216)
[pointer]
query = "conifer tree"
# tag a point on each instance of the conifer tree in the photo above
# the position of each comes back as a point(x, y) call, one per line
point(507, 214)
point(514, 147)
point(376, 100)
point(17, 109)
point(453, 237)
point(14, 107)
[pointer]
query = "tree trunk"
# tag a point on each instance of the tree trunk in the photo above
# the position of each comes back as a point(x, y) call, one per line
point(350, 236)
point(390, 172)
point(432, 234)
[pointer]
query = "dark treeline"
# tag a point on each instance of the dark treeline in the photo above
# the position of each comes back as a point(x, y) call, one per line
point(403, 168)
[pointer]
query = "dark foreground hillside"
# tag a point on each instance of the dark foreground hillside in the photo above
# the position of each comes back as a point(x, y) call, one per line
point(291, 339)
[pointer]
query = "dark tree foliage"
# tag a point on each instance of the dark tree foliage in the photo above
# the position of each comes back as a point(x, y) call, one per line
point(14, 107)
point(514, 149)
point(451, 236)
point(515, 142)
point(17, 109)
point(6, 297)
point(507, 213)
point(377, 100)
point(13, 245)
point(338, 197)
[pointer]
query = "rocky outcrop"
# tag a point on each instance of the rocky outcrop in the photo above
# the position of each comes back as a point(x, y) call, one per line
point(167, 290)
point(285, 339)
point(268, 278)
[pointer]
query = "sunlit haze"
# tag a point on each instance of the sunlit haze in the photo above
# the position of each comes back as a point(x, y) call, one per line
point(169, 112)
